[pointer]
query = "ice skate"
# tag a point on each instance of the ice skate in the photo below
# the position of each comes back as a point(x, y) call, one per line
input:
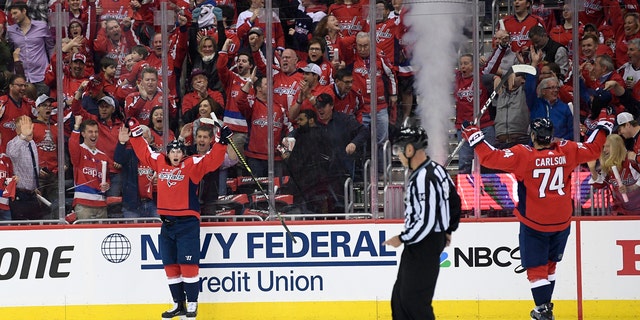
point(178, 310)
point(192, 310)
point(543, 312)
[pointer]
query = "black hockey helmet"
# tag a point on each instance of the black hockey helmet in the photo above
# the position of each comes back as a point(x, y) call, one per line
point(415, 135)
point(177, 144)
point(543, 130)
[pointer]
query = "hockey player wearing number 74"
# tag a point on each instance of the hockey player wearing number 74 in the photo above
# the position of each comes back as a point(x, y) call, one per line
point(544, 189)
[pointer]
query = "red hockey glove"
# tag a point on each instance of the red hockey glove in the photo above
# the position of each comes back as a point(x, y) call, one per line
point(472, 134)
point(134, 127)
point(606, 120)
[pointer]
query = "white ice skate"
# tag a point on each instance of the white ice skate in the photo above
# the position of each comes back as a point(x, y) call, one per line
point(192, 310)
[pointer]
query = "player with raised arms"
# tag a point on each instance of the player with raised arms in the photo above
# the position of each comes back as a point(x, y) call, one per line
point(543, 173)
point(179, 210)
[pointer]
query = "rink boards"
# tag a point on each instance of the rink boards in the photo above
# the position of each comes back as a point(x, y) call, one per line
point(334, 271)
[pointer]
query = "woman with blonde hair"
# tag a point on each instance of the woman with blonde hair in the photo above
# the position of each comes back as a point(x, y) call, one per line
point(626, 196)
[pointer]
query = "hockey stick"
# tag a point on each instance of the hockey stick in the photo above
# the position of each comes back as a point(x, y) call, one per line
point(242, 159)
point(616, 174)
point(516, 68)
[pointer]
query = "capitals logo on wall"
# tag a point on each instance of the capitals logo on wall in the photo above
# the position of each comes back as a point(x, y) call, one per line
point(116, 248)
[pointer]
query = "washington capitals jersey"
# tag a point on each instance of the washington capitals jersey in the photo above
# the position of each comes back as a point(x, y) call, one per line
point(177, 186)
point(545, 203)
point(6, 171)
point(87, 172)
point(519, 30)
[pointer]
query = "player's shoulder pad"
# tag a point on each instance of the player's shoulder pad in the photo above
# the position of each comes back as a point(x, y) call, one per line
point(563, 142)
point(528, 148)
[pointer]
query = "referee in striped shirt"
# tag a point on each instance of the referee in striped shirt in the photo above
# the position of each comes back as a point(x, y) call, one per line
point(432, 213)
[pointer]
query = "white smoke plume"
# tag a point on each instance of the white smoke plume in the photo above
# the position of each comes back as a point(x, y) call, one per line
point(436, 31)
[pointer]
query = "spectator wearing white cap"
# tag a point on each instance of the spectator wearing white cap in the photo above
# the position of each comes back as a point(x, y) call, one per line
point(310, 88)
point(629, 129)
point(109, 120)
point(45, 135)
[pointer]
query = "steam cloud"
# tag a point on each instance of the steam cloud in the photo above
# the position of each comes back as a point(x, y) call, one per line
point(436, 30)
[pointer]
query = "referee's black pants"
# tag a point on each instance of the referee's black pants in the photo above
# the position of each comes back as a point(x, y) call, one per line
point(417, 276)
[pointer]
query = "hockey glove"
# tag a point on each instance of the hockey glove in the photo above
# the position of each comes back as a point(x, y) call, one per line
point(472, 134)
point(606, 120)
point(605, 125)
point(225, 135)
point(134, 127)
point(601, 100)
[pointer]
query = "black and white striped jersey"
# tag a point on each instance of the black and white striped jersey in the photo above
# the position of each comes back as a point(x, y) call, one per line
point(432, 203)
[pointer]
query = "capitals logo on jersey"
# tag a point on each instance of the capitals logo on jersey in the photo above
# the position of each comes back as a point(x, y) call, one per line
point(362, 70)
point(520, 38)
point(172, 177)
point(284, 90)
point(352, 27)
point(10, 125)
point(465, 93)
point(383, 33)
point(592, 6)
point(264, 122)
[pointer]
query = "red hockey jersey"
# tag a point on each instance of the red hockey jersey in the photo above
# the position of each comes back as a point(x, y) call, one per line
point(9, 111)
point(233, 83)
point(352, 18)
point(256, 113)
point(87, 172)
point(177, 185)
point(519, 30)
point(463, 95)
point(6, 171)
point(285, 88)
point(136, 106)
point(546, 175)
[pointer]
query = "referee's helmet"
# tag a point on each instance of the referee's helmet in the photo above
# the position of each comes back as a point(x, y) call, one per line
point(542, 129)
point(414, 135)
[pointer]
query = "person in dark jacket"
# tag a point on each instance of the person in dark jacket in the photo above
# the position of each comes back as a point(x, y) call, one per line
point(138, 190)
point(308, 164)
point(345, 134)
point(347, 138)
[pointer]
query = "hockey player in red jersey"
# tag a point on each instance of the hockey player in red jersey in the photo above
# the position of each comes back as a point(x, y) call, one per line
point(543, 172)
point(179, 209)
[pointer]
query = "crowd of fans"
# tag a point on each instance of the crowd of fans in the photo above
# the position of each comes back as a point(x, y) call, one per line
point(216, 55)
point(112, 56)
point(608, 76)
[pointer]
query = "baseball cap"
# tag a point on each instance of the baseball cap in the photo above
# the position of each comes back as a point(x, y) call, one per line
point(42, 98)
point(256, 30)
point(623, 117)
point(196, 72)
point(323, 99)
point(108, 100)
point(79, 56)
point(313, 68)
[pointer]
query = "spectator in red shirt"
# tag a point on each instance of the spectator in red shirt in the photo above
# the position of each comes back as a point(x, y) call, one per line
point(13, 105)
